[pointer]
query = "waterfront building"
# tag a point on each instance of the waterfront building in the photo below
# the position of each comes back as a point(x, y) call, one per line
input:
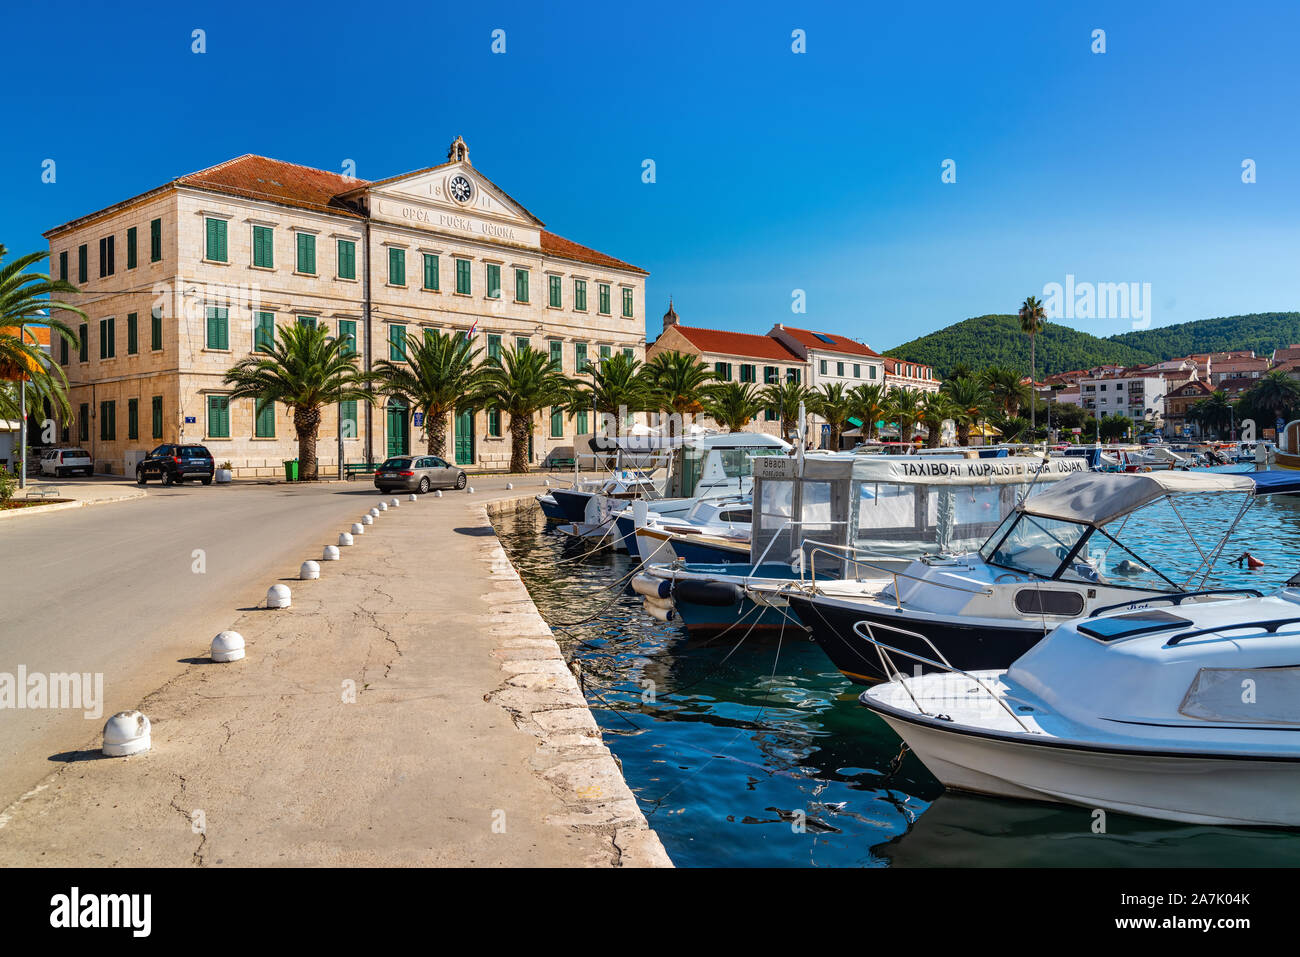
point(1179, 401)
point(183, 281)
point(901, 374)
point(1133, 394)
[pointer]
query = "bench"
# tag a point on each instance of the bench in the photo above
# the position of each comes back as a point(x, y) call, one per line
point(42, 491)
point(556, 464)
point(353, 469)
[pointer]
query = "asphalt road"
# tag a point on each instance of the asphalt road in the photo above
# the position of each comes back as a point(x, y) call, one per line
point(118, 589)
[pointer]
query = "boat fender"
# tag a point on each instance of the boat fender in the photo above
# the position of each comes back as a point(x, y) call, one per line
point(651, 587)
point(711, 594)
point(649, 602)
point(661, 614)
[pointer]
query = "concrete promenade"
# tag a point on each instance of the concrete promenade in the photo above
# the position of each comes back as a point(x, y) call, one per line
point(410, 708)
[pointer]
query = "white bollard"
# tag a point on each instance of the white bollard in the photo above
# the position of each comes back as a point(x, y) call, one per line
point(546, 482)
point(367, 519)
point(394, 503)
point(412, 497)
point(309, 570)
point(357, 529)
point(382, 506)
point(228, 646)
point(127, 732)
point(509, 486)
point(373, 513)
point(437, 493)
point(470, 490)
point(278, 596)
point(331, 553)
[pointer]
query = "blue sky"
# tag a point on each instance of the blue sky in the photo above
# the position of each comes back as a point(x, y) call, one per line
point(775, 171)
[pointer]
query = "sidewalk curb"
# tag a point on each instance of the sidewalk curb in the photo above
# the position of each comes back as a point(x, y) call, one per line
point(65, 504)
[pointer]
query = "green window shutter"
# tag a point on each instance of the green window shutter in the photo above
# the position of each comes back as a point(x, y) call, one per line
point(627, 303)
point(430, 271)
point(494, 423)
point(83, 353)
point(155, 414)
point(103, 338)
point(155, 328)
point(604, 299)
point(604, 352)
point(63, 265)
point(349, 418)
point(63, 351)
point(155, 240)
point(307, 253)
point(348, 333)
point(264, 331)
point(493, 281)
point(581, 427)
point(580, 357)
point(397, 267)
point(219, 416)
point(630, 353)
point(132, 335)
point(553, 282)
point(557, 354)
point(521, 285)
point(462, 277)
point(132, 418)
point(130, 248)
point(397, 343)
point(263, 247)
point(557, 423)
point(83, 423)
point(521, 343)
point(264, 424)
point(83, 263)
point(216, 248)
point(308, 321)
point(494, 347)
point(216, 335)
point(580, 295)
point(347, 259)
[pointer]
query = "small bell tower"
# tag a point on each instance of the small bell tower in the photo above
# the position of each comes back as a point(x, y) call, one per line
point(458, 152)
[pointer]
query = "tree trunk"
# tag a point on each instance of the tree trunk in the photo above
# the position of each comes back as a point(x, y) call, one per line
point(835, 436)
point(1033, 392)
point(306, 423)
point(963, 434)
point(518, 443)
point(436, 432)
point(932, 439)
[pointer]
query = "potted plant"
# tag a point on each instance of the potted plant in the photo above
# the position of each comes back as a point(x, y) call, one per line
point(224, 473)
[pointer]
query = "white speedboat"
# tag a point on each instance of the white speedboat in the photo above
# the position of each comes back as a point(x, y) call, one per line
point(1181, 712)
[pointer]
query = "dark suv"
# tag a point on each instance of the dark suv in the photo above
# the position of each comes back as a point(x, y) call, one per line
point(176, 463)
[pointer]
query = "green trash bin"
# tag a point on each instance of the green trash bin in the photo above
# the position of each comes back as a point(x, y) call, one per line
point(291, 470)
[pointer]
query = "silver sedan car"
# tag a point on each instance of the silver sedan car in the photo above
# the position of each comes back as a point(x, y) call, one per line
point(417, 473)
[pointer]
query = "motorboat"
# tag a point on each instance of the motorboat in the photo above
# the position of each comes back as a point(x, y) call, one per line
point(1175, 710)
point(1071, 549)
point(714, 530)
point(841, 518)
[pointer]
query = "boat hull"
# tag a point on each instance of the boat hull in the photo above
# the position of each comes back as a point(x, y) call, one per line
point(571, 505)
point(551, 508)
point(1194, 789)
point(968, 647)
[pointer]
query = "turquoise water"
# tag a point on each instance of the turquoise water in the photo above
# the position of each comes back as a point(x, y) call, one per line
point(756, 752)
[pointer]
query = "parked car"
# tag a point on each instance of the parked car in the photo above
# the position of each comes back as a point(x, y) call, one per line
point(62, 462)
point(176, 463)
point(417, 473)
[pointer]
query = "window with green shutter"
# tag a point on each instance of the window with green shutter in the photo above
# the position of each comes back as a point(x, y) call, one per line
point(580, 295)
point(494, 423)
point(493, 281)
point(397, 343)
point(132, 334)
point(219, 416)
point(839, 369)
point(627, 303)
point(747, 373)
point(821, 366)
point(83, 350)
point(771, 375)
point(130, 248)
point(63, 265)
point(264, 421)
point(218, 328)
point(554, 285)
point(462, 277)
point(155, 240)
point(215, 248)
point(521, 285)
point(603, 289)
point(793, 375)
point(107, 339)
point(155, 414)
point(580, 428)
point(580, 357)
point(557, 423)
point(155, 328)
point(107, 421)
point(263, 247)
point(83, 263)
point(521, 343)
point(263, 331)
point(83, 422)
point(306, 244)
point(494, 347)
point(106, 257)
point(63, 351)
point(396, 266)
point(629, 353)
point(605, 352)
point(132, 418)
point(431, 271)
point(557, 355)
point(308, 321)
point(722, 370)
point(348, 418)
point(347, 259)
point(348, 333)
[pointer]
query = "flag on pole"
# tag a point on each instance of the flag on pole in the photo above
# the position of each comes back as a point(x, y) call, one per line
point(469, 333)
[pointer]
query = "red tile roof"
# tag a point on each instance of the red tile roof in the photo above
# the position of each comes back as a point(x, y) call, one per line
point(891, 365)
point(743, 344)
point(840, 344)
point(554, 245)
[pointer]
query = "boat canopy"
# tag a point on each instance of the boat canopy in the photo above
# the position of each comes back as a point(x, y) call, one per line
point(1093, 498)
point(936, 470)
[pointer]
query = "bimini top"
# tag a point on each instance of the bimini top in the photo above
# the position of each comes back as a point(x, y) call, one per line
point(1096, 498)
point(933, 470)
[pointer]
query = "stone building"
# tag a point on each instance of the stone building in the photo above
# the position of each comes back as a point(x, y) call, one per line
point(183, 281)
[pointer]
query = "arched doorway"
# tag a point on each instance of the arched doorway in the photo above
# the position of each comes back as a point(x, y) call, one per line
point(397, 427)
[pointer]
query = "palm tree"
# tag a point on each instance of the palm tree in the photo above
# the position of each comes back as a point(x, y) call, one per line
point(834, 405)
point(25, 298)
point(521, 383)
point(734, 405)
point(438, 377)
point(1005, 388)
point(679, 383)
point(868, 404)
point(970, 404)
point(1217, 410)
point(1011, 426)
point(936, 407)
point(618, 385)
point(1032, 320)
point(785, 398)
point(903, 406)
point(304, 369)
point(1277, 392)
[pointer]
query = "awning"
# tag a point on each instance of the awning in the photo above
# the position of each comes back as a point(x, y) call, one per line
point(1275, 482)
point(1095, 498)
point(856, 423)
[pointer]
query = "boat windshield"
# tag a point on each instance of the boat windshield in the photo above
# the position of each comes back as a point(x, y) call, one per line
point(1038, 546)
point(738, 463)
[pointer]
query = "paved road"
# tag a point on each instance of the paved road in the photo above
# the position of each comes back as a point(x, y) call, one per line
point(115, 589)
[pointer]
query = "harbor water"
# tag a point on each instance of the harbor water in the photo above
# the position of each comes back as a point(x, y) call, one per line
point(748, 751)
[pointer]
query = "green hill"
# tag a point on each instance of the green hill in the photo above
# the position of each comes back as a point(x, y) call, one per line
point(997, 340)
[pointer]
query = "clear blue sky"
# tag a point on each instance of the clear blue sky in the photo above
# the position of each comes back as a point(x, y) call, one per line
point(775, 171)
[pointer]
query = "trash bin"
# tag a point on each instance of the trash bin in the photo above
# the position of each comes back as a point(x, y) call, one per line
point(291, 470)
